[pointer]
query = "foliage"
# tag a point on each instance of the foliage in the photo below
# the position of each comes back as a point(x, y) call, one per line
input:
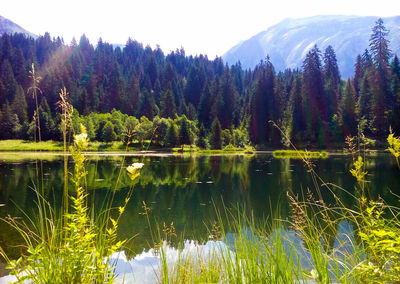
point(216, 135)
point(357, 171)
point(394, 147)
point(381, 238)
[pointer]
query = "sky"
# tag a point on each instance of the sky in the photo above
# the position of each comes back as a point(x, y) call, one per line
point(208, 27)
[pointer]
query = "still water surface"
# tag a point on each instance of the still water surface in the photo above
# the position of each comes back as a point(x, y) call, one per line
point(186, 190)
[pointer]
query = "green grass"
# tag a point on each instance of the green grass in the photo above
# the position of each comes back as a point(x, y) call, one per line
point(21, 156)
point(22, 145)
point(259, 253)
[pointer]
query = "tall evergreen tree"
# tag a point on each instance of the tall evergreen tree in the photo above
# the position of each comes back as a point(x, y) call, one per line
point(48, 128)
point(108, 134)
point(381, 96)
point(185, 137)
point(195, 84)
point(316, 101)
point(298, 112)
point(9, 84)
point(262, 103)
point(202, 141)
point(216, 135)
point(331, 81)
point(229, 114)
point(347, 107)
point(168, 107)
point(9, 123)
point(395, 89)
point(204, 115)
point(171, 138)
point(148, 105)
point(19, 105)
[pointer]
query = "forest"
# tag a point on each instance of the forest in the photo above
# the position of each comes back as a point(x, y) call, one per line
point(176, 99)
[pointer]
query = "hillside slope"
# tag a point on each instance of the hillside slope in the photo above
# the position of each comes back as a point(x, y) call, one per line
point(288, 42)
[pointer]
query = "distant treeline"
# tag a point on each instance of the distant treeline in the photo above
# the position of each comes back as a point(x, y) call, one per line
point(312, 106)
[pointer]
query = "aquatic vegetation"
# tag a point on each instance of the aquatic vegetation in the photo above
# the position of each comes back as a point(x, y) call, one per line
point(298, 154)
point(228, 149)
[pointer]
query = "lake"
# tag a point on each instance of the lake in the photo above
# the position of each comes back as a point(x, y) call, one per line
point(185, 190)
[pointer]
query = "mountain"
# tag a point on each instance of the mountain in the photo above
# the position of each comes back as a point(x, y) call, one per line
point(9, 27)
point(288, 42)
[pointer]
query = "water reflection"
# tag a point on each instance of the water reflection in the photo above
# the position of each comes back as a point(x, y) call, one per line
point(187, 190)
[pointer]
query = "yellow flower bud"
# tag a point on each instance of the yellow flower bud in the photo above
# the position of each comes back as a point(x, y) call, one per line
point(134, 170)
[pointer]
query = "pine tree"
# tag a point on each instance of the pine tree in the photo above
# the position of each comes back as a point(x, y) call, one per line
point(202, 141)
point(168, 107)
point(228, 115)
point(19, 105)
point(348, 109)
point(148, 105)
point(365, 111)
point(171, 138)
point(184, 132)
point(108, 134)
point(9, 84)
point(133, 96)
point(379, 45)
point(381, 95)
point(358, 73)
point(318, 124)
point(203, 113)
point(298, 113)
point(395, 89)
point(331, 81)
point(262, 103)
point(9, 123)
point(49, 131)
point(195, 84)
point(216, 135)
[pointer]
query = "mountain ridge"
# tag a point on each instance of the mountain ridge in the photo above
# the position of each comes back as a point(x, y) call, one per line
point(9, 27)
point(287, 42)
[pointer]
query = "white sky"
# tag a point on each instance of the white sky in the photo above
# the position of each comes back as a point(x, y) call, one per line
point(205, 26)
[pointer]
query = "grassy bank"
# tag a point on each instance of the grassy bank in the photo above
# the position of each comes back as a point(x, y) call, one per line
point(54, 146)
point(23, 145)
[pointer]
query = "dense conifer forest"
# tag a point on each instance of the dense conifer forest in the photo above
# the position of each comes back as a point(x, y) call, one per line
point(177, 99)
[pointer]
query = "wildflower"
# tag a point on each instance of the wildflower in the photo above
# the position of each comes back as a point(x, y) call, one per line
point(81, 140)
point(134, 170)
point(357, 172)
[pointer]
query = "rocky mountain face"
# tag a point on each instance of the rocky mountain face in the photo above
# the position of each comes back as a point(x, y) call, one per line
point(288, 42)
point(9, 27)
